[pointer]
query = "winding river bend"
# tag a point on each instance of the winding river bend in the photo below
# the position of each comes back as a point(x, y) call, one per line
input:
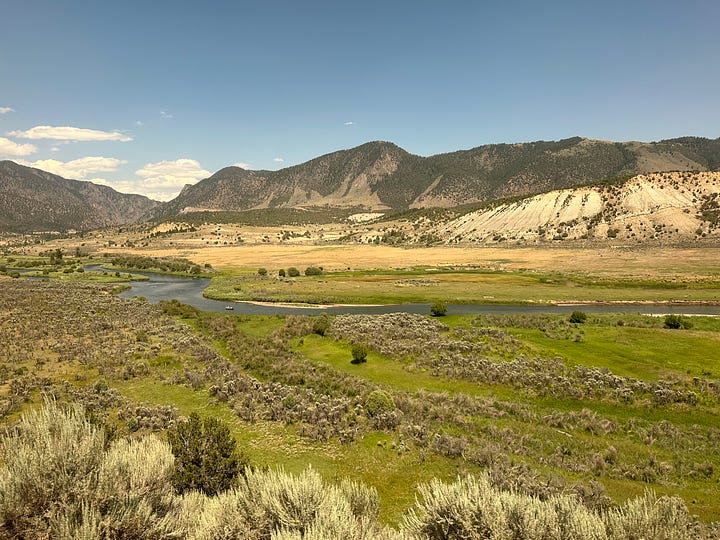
point(190, 291)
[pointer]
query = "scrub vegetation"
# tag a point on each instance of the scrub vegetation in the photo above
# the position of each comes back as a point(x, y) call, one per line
point(518, 426)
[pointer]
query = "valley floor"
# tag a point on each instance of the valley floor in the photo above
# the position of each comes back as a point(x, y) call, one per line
point(603, 409)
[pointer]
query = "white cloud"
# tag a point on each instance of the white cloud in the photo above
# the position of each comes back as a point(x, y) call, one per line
point(161, 181)
point(55, 149)
point(78, 169)
point(5, 110)
point(350, 123)
point(11, 148)
point(139, 123)
point(67, 133)
point(164, 180)
point(181, 171)
point(165, 114)
point(246, 166)
point(278, 159)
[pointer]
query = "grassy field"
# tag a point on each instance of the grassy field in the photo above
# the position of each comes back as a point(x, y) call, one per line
point(651, 353)
point(432, 284)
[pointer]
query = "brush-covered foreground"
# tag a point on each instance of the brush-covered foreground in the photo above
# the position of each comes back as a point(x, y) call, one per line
point(530, 405)
point(62, 479)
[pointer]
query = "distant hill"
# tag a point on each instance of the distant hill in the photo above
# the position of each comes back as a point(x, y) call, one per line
point(671, 208)
point(35, 200)
point(382, 176)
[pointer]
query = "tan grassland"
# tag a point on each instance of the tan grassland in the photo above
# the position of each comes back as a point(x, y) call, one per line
point(681, 263)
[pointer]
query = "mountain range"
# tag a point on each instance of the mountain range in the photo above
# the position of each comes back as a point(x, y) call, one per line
point(374, 176)
point(34, 200)
point(383, 176)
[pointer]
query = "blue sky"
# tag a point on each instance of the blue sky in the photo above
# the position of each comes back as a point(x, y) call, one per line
point(156, 94)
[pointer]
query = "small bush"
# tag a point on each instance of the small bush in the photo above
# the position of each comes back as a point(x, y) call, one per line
point(578, 317)
point(205, 456)
point(379, 402)
point(676, 322)
point(321, 325)
point(313, 271)
point(262, 271)
point(293, 272)
point(359, 353)
point(438, 309)
point(281, 272)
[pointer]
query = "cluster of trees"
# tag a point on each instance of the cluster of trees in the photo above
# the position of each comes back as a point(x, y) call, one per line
point(294, 272)
point(60, 478)
point(163, 264)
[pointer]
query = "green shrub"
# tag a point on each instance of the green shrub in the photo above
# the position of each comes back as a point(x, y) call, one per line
point(206, 458)
point(578, 317)
point(293, 272)
point(379, 402)
point(281, 272)
point(321, 325)
point(438, 309)
point(262, 271)
point(313, 271)
point(676, 322)
point(359, 353)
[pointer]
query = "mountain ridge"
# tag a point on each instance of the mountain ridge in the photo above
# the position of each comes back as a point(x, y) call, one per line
point(380, 175)
point(33, 200)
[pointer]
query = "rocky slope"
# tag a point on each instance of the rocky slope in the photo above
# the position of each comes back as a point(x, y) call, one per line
point(381, 176)
point(675, 206)
point(34, 200)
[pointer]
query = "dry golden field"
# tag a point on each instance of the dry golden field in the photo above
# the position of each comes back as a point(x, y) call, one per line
point(682, 263)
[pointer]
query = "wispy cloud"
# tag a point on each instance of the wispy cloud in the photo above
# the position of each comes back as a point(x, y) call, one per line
point(5, 110)
point(165, 114)
point(78, 169)
point(246, 166)
point(278, 160)
point(67, 133)
point(351, 123)
point(139, 123)
point(11, 148)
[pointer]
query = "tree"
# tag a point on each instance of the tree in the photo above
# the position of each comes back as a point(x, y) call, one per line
point(262, 271)
point(206, 458)
point(281, 272)
point(438, 309)
point(56, 257)
point(578, 317)
point(313, 271)
point(359, 353)
point(293, 272)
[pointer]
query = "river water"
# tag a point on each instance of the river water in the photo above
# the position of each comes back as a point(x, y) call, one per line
point(189, 290)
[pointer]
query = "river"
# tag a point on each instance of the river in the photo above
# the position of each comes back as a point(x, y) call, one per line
point(189, 290)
